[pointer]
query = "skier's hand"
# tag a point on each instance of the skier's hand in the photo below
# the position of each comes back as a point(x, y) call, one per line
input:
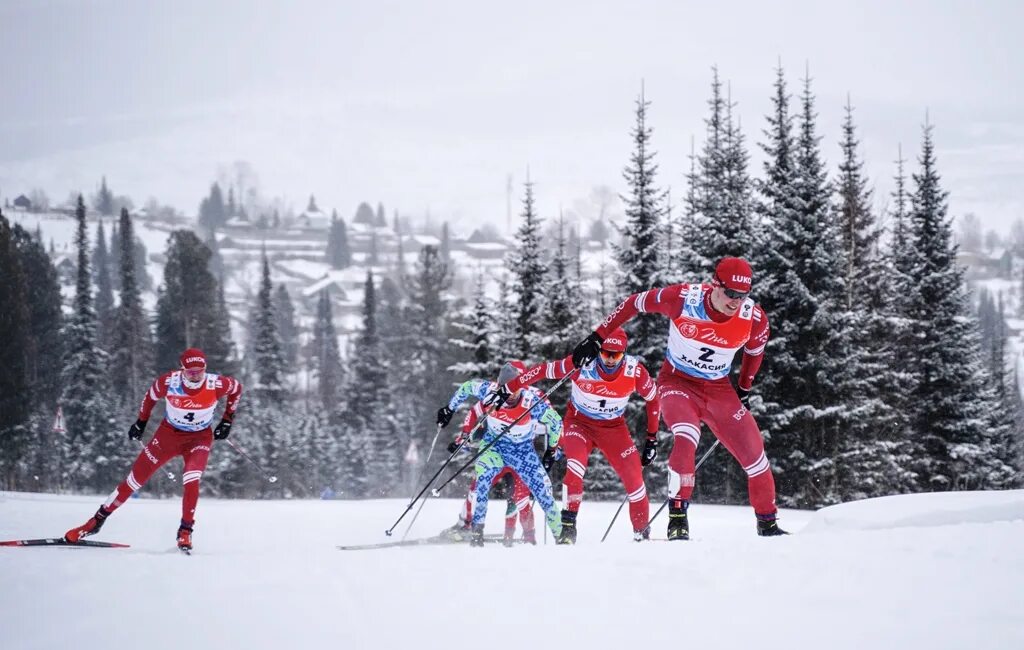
point(444, 416)
point(501, 396)
point(223, 430)
point(586, 350)
point(136, 430)
point(744, 396)
point(650, 451)
point(549, 458)
point(453, 447)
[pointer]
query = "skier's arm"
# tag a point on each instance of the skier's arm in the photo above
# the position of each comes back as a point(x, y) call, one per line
point(470, 422)
point(478, 388)
point(753, 351)
point(155, 393)
point(647, 389)
point(546, 370)
point(543, 413)
point(232, 389)
point(667, 301)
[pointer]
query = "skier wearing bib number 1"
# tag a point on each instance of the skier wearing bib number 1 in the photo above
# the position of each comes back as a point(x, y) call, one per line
point(192, 395)
point(594, 418)
point(710, 322)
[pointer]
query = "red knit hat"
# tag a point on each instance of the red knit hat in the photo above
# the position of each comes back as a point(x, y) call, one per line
point(734, 273)
point(616, 341)
point(193, 358)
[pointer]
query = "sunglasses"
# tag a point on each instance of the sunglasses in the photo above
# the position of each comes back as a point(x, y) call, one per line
point(731, 294)
point(611, 357)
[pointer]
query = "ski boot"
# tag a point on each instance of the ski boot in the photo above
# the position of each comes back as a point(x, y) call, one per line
point(185, 537)
point(678, 523)
point(568, 535)
point(90, 527)
point(768, 526)
point(642, 535)
point(476, 535)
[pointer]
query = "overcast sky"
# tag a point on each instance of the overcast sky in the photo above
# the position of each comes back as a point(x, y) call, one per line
point(430, 106)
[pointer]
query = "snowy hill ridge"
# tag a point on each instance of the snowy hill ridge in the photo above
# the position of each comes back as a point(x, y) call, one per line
point(913, 510)
point(937, 571)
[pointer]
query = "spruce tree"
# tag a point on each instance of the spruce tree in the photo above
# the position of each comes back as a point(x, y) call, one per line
point(528, 269)
point(284, 312)
point(104, 201)
point(15, 406)
point(473, 334)
point(93, 437)
point(325, 354)
point(797, 280)
point(639, 265)
point(104, 289)
point(338, 255)
point(874, 456)
point(956, 412)
point(131, 339)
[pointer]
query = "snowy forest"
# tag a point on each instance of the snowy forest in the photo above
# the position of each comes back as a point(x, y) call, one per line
point(881, 375)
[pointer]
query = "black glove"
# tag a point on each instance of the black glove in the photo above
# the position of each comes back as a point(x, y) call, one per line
point(501, 396)
point(650, 452)
point(453, 447)
point(136, 430)
point(744, 396)
point(223, 430)
point(586, 350)
point(444, 416)
point(549, 458)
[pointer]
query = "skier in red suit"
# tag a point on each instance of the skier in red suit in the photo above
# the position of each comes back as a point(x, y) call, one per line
point(709, 324)
point(192, 395)
point(594, 417)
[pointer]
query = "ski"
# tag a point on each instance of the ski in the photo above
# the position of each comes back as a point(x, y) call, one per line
point(437, 540)
point(60, 541)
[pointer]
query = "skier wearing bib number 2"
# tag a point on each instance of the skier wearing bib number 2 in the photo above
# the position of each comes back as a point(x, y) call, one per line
point(192, 396)
point(710, 322)
point(594, 418)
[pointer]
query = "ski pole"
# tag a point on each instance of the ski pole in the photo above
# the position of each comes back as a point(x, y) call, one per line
point(270, 478)
point(416, 498)
point(425, 463)
point(614, 517)
point(699, 463)
point(504, 430)
point(170, 474)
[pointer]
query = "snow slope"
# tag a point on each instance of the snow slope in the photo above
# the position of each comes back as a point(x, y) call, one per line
point(926, 571)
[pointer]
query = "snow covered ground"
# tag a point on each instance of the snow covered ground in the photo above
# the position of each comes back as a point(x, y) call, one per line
point(925, 571)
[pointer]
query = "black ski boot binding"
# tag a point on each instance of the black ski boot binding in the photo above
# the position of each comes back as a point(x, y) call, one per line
point(476, 537)
point(678, 523)
point(768, 526)
point(568, 534)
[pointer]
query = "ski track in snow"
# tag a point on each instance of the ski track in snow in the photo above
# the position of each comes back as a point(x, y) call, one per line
point(927, 571)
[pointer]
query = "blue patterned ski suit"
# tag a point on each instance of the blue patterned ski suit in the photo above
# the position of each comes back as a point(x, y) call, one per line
point(515, 448)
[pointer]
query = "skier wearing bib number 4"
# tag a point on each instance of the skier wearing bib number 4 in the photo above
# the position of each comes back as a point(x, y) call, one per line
point(594, 418)
point(710, 323)
point(192, 395)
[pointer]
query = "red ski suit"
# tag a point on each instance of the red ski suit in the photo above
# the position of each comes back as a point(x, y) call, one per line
point(694, 382)
point(594, 418)
point(184, 432)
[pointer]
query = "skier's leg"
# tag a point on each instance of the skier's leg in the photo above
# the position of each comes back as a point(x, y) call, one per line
point(466, 516)
point(487, 467)
point(161, 448)
point(680, 409)
point(577, 443)
point(733, 424)
point(524, 505)
point(620, 450)
point(523, 459)
point(196, 454)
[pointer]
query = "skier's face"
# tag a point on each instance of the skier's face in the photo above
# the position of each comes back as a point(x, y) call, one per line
point(193, 374)
point(611, 360)
point(726, 301)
